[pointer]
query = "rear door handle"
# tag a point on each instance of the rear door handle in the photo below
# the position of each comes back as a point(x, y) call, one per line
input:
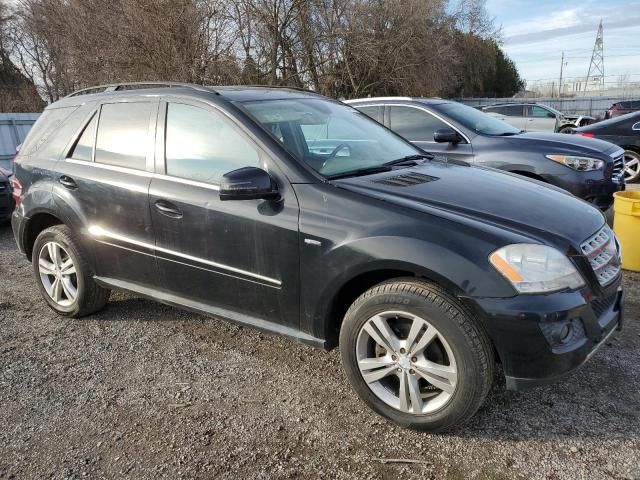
point(68, 182)
point(168, 209)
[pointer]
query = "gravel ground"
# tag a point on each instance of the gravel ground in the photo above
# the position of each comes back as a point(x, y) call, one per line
point(142, 390)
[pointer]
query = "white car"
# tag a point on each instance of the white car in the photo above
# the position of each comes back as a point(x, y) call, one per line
point(536, 117)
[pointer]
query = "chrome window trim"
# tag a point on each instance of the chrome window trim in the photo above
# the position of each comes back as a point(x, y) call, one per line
point(377, 99)
point(428, 112)
point(144, 173)
point(98, 232)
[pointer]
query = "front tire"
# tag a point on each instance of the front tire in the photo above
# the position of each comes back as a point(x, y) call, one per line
point(63, 274)
point(416, 355)
point(632, 166)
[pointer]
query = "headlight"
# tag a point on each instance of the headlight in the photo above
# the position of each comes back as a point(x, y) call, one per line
point(535, 268)
point(583, 164)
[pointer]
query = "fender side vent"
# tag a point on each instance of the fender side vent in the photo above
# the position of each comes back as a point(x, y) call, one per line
point(406, 179)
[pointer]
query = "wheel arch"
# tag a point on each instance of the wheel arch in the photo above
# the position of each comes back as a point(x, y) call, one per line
point(359, 283)
point(34, 226)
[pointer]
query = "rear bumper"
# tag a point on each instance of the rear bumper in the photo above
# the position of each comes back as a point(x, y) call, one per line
point(18, 222)
point(526, 331)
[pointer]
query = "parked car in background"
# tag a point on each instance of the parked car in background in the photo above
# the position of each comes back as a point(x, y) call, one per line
point(291, 212)
point(622, 108)
point(535, 117)
point(590, 169)
point(623, 131)
point(6, 200)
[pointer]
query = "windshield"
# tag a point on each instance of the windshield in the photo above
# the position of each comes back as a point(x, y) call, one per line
point(331, 138)
point(476, 120)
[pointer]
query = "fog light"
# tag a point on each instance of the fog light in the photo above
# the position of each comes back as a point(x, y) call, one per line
point(563, 333)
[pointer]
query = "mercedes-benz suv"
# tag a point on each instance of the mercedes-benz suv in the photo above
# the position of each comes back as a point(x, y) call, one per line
point(290, 212)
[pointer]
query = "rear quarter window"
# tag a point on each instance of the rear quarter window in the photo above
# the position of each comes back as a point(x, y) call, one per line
point(47, 124)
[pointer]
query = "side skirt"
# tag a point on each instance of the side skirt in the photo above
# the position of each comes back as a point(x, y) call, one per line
point(221, 313)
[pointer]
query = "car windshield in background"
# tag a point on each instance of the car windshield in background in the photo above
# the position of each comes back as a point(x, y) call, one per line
point(476, 120)
point(331, 138)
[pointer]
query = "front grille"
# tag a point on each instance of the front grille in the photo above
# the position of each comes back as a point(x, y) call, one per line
point(618, 165)
point(406, 179)
point(602, 252)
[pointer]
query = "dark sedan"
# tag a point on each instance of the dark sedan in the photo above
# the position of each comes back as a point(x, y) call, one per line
point(622, 108)
point(623, 131)
point(590, 169)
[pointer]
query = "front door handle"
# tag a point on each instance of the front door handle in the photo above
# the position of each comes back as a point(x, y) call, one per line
point(168, 209)
point(68, 182)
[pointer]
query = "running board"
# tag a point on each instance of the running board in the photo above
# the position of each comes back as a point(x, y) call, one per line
point(221, 313)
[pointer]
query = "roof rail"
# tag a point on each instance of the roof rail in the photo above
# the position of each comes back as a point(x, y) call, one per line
point(284, 87)
point(113, 87)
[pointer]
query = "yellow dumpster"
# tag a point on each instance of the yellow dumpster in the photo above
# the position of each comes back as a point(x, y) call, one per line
point(626, 224)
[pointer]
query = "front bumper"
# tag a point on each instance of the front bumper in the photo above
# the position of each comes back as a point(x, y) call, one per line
point(594, 187)
point(520, 329)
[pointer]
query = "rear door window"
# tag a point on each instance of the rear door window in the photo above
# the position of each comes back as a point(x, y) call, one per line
point(203, 145)
point(414, 124)
point(123, 135)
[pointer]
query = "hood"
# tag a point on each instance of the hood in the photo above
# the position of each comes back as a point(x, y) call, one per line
point(526, 207)
point(565, 143)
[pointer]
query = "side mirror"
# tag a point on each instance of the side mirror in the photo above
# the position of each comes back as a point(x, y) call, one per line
point(446, 135)
point(248, 183)
point(551, 115)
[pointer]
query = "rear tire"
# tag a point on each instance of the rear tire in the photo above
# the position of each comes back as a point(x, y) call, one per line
point(380, 339)
point(63, 274)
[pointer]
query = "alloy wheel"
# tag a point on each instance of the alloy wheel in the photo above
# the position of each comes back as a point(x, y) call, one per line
point(58, 274)
point(631, 166)
point(406, 362)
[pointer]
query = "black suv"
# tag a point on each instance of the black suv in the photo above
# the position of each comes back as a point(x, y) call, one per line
point(296, 214)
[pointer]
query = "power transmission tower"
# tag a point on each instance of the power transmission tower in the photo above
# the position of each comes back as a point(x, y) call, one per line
point(596, 67)
point(562, 65)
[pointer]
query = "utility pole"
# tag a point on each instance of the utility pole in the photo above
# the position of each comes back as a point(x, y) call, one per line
point(596, 67)
point(562, 64)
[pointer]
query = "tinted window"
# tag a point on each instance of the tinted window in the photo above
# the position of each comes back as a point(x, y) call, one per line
point(203, 145)
point(414, 124)
point(84, 147)
point(123, 135)
point(507, 110)
point(537, 112)
point(375, 112)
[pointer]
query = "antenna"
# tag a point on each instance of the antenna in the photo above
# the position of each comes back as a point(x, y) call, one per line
point(596, 67)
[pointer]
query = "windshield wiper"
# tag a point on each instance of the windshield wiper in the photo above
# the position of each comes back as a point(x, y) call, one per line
point(361, 171)
point(409, 159)
point(385, 167)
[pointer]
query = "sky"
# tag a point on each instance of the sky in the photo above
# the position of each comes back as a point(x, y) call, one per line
point(534, 34)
